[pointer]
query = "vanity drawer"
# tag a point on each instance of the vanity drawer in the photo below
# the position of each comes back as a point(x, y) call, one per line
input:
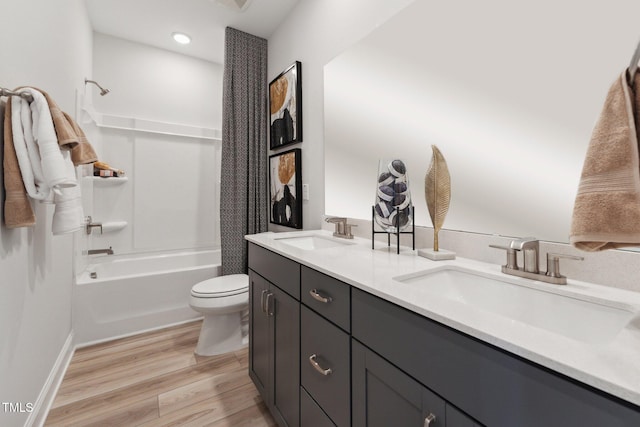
point(281, 271)
point(311, 415)
point(327, 296)
point(325, 365)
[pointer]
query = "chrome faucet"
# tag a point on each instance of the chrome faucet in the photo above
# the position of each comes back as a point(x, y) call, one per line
point(530, 249)
point(100, 251)
point(89, 225)
point(342, 228)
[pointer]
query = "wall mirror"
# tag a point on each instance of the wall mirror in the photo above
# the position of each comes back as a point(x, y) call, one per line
point(508, 92)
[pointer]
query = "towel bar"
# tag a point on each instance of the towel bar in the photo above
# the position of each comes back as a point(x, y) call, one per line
point(633, 66)
point(7, 92)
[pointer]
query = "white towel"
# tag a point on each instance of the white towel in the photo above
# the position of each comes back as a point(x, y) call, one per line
point(33, 126)
point(47, 171)
point(27, 151)
point(68, 215)
point(54, 167)
point(21, 126)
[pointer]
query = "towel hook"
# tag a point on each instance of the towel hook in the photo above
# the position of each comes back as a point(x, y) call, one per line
point(633, 66)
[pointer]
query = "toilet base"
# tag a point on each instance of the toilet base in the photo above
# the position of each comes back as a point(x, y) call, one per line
point(223, 333)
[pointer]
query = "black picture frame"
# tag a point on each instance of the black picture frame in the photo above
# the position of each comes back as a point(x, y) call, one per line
point(285, 198)
point(285, 107)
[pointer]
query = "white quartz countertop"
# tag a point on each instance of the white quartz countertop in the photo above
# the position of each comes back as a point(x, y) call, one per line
point(612, 366)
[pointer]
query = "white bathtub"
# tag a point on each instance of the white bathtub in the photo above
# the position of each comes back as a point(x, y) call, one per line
point(136, 293)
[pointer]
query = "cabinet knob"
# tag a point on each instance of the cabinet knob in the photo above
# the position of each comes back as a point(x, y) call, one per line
point(316, 296)
point(430, 418)
point(317, 367)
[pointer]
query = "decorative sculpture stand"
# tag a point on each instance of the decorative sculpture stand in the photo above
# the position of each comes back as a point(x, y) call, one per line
point(437, 193)
point(397, 226)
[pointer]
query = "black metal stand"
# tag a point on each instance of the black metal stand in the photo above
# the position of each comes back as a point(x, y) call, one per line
point(397, 233)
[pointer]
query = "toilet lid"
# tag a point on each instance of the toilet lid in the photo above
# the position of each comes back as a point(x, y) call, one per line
point(221, 286)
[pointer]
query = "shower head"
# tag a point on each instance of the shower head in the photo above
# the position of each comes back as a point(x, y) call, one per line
point(103, 91)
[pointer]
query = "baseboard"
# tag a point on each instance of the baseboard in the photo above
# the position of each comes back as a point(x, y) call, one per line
point(48, 393)
point(137, 332)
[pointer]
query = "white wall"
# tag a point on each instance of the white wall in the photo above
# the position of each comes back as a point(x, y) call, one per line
point(174, 178)
point(314, 33)
point(155, 84)
point(46, 44)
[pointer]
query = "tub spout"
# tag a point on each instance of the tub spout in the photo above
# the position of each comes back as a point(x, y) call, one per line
point(100, 251)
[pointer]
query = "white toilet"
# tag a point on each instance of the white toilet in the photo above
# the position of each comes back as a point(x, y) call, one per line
point(224, 303)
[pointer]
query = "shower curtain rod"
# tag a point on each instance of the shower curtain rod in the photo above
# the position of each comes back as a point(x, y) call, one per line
point(7, 92)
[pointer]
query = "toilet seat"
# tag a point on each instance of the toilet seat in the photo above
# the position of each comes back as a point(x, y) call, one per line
point(221, 286)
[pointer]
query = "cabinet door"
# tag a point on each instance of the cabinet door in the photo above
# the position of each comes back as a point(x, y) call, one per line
point(285, 314)
point(384, 396)
point(311, 415)
point(259, 336)
point(455, 418)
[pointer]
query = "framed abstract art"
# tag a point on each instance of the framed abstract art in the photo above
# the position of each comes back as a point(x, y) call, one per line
point(285, 107)
point(285, 188)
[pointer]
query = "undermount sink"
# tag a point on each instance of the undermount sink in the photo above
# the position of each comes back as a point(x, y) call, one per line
point(572, 315)
point(312, 242)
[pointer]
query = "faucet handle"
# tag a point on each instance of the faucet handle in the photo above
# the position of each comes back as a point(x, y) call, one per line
point(89, 225)
point(553, 263)
point(335, 219)
point(347, 230)
point(512, 257)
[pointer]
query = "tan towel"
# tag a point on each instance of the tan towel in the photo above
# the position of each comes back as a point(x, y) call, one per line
point(70, 135)
point(17, 207)
point(83, 153)
point(67, 137)
point(606, 214)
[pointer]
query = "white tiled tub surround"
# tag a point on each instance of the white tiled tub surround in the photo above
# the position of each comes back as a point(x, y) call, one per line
point(613, 367)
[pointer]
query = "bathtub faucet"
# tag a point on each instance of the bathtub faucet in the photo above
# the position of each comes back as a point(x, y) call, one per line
point(89, 225)
point(100, 251)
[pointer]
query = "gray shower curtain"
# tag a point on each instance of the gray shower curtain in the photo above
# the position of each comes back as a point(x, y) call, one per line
point(243, 187)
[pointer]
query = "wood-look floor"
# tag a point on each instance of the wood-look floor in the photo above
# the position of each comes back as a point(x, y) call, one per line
point(155, 379)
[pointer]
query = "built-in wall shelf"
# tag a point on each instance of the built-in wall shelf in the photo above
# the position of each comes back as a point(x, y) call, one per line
point(109, 180)
point(112, 226)
point(150, 126)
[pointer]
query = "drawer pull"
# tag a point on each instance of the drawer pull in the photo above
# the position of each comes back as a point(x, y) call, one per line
point(316, 296)
point(317, 367)
point(429, 419)
point(268, 305)
point(262, 300)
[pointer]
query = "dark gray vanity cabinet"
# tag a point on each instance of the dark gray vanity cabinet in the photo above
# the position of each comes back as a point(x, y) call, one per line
point(323, 354)
point(492, 386)
point(274, 333)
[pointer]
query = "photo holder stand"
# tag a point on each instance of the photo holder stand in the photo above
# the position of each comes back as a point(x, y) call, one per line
point(397, 233)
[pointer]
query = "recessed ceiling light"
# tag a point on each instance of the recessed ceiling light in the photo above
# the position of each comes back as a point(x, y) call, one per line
point(181, 38)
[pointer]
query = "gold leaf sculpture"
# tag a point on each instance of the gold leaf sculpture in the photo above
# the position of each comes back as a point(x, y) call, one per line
point(437, 192)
